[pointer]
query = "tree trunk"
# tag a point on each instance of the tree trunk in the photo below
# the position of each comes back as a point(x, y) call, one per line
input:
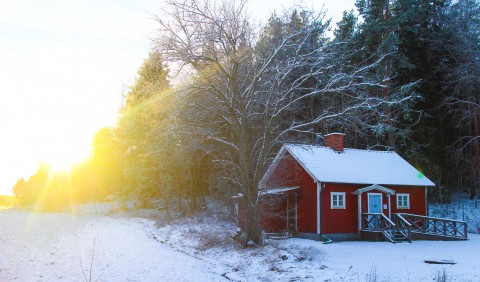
point(166, 205)
point(250, 186)
point(179, 199)
point(252, 228)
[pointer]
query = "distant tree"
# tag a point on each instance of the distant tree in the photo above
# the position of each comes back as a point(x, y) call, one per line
point(45, 190)
point(418, 23)
point(143, 133)
point(152, 79)
point(461, 68)
point(346, 28)
point(378, 37)
point(19, 189)
point(105, 168)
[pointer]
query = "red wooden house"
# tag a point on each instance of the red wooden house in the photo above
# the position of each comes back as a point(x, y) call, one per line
point(312, 191)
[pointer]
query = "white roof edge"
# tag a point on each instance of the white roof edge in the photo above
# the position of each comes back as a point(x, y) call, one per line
point(391, 184)
point(278, 190)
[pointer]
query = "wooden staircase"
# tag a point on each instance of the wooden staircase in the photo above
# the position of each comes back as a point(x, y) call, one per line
point(403, 226)
point(399, 237)
point(390, 231)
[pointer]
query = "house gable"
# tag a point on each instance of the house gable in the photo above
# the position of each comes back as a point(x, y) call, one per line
point(284, 159)
point(285, 174)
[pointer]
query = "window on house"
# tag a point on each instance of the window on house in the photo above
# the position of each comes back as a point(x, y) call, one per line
point(337, 200)
point(403, 201)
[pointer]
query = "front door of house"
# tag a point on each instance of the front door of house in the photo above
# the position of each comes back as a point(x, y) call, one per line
point(374, 206)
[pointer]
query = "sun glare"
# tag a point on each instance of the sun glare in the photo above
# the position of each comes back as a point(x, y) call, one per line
point(63, 159)
point(61, 164)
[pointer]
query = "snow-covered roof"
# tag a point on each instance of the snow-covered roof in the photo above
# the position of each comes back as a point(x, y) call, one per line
point(279, 190)
point(356, 166)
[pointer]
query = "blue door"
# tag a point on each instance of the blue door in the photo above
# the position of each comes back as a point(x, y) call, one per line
point(374, 206)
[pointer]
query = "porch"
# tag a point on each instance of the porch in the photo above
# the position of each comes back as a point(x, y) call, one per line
point(404, 227)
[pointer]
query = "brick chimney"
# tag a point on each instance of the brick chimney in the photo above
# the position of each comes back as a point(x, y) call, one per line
point(335, 141)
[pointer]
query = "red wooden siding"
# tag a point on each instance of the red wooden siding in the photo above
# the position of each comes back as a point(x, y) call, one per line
point(290, 173)
point(417, 200)
point(346, 220)
point(339, 220)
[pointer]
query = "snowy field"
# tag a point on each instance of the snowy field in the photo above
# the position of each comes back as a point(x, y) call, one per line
point(60, 246)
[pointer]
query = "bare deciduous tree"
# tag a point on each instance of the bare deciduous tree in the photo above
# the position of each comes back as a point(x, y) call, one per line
point(242, 103)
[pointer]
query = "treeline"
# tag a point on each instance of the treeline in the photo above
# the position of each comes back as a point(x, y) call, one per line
point(398, 75)
point(7, 202)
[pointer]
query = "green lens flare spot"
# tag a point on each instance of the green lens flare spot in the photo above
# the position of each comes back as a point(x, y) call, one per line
point(420, 175)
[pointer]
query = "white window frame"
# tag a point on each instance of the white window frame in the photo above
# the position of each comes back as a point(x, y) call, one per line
point(337, 206)
point(399, 196)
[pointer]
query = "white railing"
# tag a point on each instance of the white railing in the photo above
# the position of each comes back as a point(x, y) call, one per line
point(448, 228)
point(378, 222)
point(403, 226)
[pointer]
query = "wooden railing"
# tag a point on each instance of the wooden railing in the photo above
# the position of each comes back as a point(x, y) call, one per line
point(435, 226)
point(378, 222)
point(403, 226)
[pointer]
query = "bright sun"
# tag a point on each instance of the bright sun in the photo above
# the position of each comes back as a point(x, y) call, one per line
point(61, 163)
point(62, 157)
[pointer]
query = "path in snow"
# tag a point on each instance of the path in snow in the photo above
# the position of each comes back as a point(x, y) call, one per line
point(55, 246)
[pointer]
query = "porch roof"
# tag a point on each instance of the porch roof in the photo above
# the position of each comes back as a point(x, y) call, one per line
point(374, 187)
point(278, 190)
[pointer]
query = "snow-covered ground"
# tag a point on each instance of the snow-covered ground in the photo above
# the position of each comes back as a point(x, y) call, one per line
point(306, 260)
point(59, 247)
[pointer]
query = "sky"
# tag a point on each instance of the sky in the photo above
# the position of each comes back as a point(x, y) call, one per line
point(64, 65)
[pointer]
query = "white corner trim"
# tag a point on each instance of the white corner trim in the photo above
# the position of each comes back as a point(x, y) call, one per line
point(319, 191)
point(359, 199)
